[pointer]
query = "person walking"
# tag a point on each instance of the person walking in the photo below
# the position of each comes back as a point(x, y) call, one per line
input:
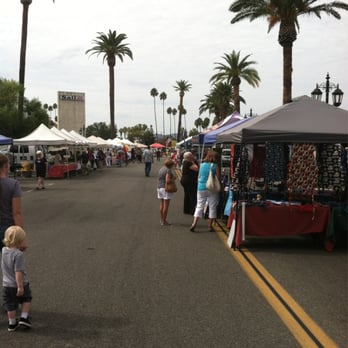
point(15, 283)
point(203, 195)
point(189, 182)
point(10, 199)
point(40, 168)
point(165, 175)
point(148, 160)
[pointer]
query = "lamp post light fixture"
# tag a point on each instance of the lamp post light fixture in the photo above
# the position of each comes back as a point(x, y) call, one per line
point(337, 94)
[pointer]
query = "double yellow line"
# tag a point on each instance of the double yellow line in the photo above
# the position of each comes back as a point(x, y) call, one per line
point(304, 329)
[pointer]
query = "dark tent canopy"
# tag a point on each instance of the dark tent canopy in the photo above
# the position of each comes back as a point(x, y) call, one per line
point(304, 120)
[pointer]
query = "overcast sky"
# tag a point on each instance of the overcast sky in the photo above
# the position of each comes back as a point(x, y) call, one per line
point(171, 40)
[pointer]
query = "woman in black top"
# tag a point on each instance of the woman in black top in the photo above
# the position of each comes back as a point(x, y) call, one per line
point(189, 182)
point(40, 168)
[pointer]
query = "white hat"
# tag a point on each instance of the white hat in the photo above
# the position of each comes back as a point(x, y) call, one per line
point(39, 152)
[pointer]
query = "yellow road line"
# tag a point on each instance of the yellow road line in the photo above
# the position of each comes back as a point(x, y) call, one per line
point(309, 334)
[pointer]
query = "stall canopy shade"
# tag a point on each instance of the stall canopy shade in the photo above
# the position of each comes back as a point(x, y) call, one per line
point(42, 135)
point(304, 120)
point(231, 119)
point(210, 137)
point(5, 140)
point(157, 146)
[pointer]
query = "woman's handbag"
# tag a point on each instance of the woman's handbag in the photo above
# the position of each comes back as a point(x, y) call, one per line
point(171, 186)
point(213, 183)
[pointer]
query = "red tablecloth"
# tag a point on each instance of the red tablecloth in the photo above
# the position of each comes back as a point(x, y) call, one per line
point(59, 171)
point(282, 221)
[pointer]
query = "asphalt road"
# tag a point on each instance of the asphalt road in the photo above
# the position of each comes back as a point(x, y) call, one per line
point(104, 273)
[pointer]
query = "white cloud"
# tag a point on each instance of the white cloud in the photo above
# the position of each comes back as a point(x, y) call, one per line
point(171, 40)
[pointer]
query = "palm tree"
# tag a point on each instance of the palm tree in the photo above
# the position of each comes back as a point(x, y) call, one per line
point(232, 72)
point(26, 4)
point(181, 86)
point(184, 112)
point(163, 97)
point(111, 45)
point(174, 111)
point(169, 112)
point(154, 94)
point(285, 12)
point(55, 107)
point(198, 123)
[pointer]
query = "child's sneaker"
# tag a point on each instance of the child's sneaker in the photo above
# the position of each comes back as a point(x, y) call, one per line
point(12, 327)
point(25, 322)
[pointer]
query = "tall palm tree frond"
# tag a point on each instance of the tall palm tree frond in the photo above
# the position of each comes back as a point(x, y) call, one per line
point(111, 46)
point(286, 13)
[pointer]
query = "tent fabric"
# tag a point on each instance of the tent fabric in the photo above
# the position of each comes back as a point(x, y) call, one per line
point(304, 120)
point(210, 137)
point(42, 135)
point(184, 143)
point(200, 138)
point(157, 146)
point(67, 136)
point(83, 139)
point(5, 140)
point(99, 141)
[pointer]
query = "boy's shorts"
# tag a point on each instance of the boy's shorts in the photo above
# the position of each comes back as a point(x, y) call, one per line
point(11, 300)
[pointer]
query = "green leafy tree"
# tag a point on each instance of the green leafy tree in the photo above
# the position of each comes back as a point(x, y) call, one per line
point(154, 94)
point(286, 13)
point(141, 133)
point(219, 101)
point(233, 71)
point(181, 86)
point(205, 123)
point(98, 129)
point(193, 131)
point(11, 124)
point(111, 46)
point(198, 123)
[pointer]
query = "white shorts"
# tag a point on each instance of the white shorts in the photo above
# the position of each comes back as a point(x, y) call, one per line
point(204, 197)
point(163, 194)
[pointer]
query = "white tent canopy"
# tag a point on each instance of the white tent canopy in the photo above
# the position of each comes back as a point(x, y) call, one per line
point(42, 135)
point(85, 141)
point(66, 136)
point(76, 140)
point(98, 140)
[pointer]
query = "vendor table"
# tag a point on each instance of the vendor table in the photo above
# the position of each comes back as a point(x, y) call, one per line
point(61, 170)
point(273, 220)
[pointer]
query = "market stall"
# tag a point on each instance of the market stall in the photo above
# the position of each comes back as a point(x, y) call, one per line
point(286, 163)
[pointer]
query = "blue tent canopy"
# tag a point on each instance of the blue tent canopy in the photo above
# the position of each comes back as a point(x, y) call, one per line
point(224, 124)
point(210, 137)
point(5, 140)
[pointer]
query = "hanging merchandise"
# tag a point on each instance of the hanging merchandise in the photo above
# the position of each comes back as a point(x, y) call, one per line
point(256, 169)
point(241, 173)
point(302, 170)
point(332, 167)
point(276, 159)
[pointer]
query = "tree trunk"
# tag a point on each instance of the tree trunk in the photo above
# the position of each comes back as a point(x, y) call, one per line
point(287, 73)
point(22, 56)
point(154, 109)
point(178, 136)
point(286, 37)
point(236, 101)
point(112, 100)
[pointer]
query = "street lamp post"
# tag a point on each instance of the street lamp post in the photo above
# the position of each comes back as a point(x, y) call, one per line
point(337, 94)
